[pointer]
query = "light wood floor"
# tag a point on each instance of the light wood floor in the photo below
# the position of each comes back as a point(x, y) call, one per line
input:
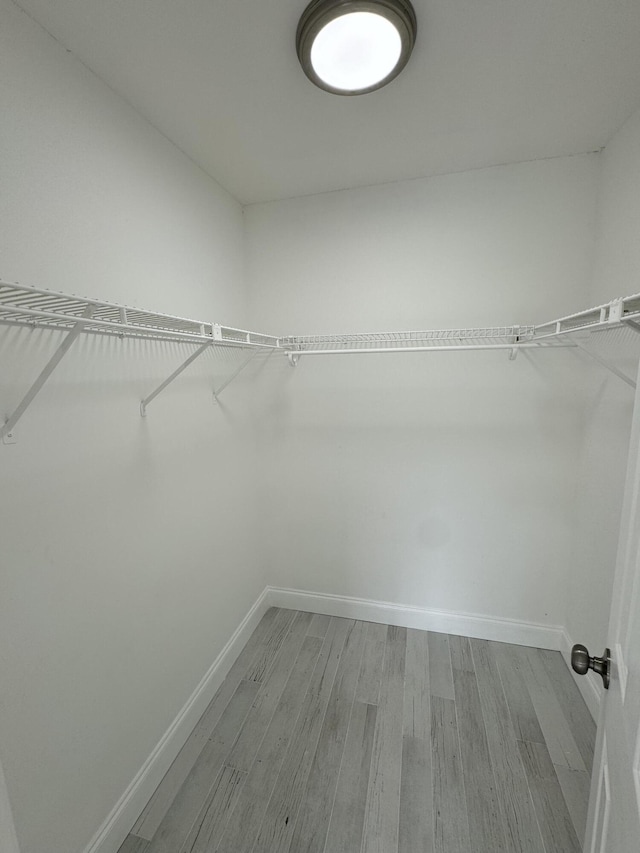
point(337, 736)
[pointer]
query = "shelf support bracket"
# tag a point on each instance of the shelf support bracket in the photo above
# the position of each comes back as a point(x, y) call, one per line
point(294, 358)
point(174, 375)
point(606, 364)
point(54, 361)
point(230, 379)
point(513, 352)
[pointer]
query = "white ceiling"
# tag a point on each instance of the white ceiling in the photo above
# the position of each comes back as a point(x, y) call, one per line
point(489, 82)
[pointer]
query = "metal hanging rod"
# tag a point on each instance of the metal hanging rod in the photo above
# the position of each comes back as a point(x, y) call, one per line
point(463, 346)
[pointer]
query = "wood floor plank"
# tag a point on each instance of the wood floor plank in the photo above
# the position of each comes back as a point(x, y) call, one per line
point(368, 687)
point(382, 813)
point(519, 817)
point(516, 690)
point(244, 750)
point(314, 812)
point(451, 827)
point(134, 844)
point(416, 785)
point(486, 826)
point(461, 657)
point(417, 707)
point(553, 816)
point(555, 728)
point(575, 786)
point(573, 706)
point(440, 674)
point(347, 818)
point(147, 824)
point(184, 810)
point(274, 835)
point(246, 818)
point(319, 625)
point(416, 830)
point(270, 646)
point(212, 820)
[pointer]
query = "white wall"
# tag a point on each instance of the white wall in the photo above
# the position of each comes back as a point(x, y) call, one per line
point(616, 272)
point(439, 480)
point(127, 555)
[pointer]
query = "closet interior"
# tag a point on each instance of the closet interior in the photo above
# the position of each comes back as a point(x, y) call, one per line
point(201, 518)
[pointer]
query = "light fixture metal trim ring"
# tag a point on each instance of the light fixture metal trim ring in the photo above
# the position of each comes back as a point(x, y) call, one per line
point(321, 12)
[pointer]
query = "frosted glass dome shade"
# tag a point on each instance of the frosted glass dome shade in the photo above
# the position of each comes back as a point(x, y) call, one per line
point(350, 47)
point(356, 51)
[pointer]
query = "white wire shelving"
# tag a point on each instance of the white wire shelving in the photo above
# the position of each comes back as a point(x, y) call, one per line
point(619, 312)
point(499, 337)
point(31, 306)
point(23, 305)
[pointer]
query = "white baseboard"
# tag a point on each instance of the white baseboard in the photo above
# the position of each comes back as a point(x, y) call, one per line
point(124, 814)
point(406, 616)
point(588, 684)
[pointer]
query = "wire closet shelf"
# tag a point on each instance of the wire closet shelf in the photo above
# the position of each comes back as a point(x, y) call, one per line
point(23, 305)
point(30, 306)
point(498, 337)
point(35, 307)
point(615, 314)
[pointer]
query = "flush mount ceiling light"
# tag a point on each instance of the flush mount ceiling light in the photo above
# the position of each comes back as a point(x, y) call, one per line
point(350, 47)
